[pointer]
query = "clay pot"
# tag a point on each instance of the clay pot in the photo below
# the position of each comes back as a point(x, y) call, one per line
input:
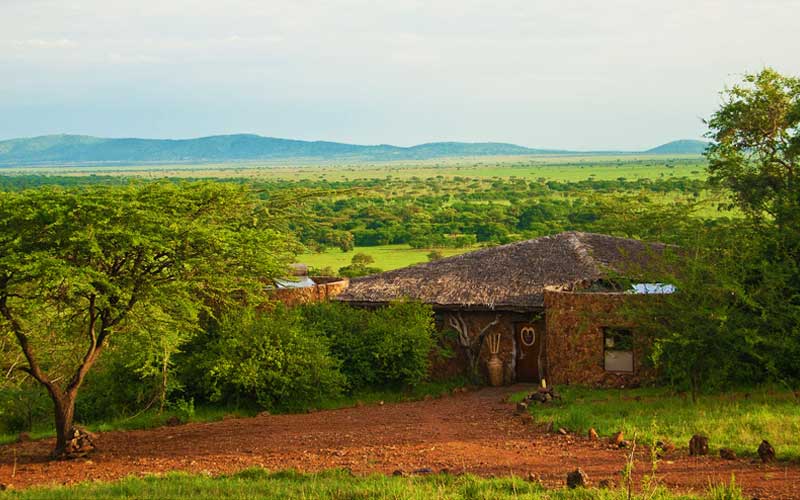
point(495, 368)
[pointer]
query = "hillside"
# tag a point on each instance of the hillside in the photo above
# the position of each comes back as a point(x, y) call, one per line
point(76, 149)
point(681, 147)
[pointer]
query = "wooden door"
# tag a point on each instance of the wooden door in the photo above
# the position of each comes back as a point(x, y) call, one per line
point(530, 351)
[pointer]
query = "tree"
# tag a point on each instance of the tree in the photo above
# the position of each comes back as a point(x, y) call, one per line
point(755, 154)
point(81, 267)
point(756, 145)
point(359, 266)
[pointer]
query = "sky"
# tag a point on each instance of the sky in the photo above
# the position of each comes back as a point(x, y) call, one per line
point(572, 74)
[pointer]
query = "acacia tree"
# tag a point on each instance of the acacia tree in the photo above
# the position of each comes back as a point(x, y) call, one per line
point(81, 267)
point(736, 315)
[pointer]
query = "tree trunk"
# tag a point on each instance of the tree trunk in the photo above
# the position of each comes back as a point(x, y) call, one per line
point(64, 405)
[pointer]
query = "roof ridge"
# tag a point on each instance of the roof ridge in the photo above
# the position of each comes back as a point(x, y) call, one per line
point(581, 249)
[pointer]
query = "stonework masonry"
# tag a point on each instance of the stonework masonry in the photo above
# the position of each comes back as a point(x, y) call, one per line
point(574, 340)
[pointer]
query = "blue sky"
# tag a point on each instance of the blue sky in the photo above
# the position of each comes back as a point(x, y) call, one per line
point(559, 74)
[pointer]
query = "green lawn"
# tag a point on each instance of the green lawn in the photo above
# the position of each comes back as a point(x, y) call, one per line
point(386, 256)
point(333, 485)
point(738, 420)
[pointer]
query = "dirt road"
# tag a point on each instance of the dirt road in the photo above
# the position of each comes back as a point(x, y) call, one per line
point(475, 432)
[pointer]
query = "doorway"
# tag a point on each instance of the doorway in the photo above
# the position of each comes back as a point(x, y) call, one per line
point(529, 337)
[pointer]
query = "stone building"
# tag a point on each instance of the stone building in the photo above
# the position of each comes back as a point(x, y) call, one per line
point(550, 306)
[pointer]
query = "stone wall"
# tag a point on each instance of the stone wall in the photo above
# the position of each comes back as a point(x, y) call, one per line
point(574, 339)
point(325, 288)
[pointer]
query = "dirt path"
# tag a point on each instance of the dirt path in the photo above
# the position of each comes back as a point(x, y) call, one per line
point(475, 432)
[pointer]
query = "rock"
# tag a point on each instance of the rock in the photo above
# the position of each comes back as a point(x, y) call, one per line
point(592, 434)
point(3, 487)
point(173, 421)
point(380, 403)
point(698, 445)
point(264, 413)
point(766, 451)
point(727, 454)
point(532, 478)
point(617, 438)
point(423, 471)
point(624, 444)
point(444, 471)
point(23, 437)
point(522, 407)
point(398, 473)
point(577, 478)
point(665, 446)
point(606, 484)
point(549, 426)
point(562, 431)
point(548, 397)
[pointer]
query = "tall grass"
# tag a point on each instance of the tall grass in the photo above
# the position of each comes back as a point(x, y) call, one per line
point(738, 419)
point(334, 485)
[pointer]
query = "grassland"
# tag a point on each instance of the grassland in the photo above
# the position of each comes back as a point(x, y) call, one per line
point(738, 420)
point(386, 256)
point(551, 167)
point(336, 485)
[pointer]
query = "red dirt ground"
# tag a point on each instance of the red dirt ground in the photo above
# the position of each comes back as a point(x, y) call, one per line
point(476, 432)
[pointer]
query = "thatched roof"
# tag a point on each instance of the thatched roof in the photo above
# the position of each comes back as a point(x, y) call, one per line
point(508, 277)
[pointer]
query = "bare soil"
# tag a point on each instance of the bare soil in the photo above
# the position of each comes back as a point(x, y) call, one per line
point(476, 432)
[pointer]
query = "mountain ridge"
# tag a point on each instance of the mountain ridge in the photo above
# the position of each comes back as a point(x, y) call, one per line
point(72, 149)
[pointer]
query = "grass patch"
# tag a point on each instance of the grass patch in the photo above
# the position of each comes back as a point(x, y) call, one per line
point(738, 419)
point(333, 485)
point(386, 257)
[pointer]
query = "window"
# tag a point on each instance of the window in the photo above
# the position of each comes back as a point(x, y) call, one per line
point(618, 349)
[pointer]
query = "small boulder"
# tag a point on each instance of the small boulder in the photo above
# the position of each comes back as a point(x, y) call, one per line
point(562, 431)
point(423, 471)
point(698, 445)
point(606, 484)
point(532, 478)
point(665, 447)
point(766, 451)
point(173, 421)
point(727, 454)
point(624, 444)
point(577, 478)
point(616, 439)
point(398, 473)
point(522, 407)
point(592, 434)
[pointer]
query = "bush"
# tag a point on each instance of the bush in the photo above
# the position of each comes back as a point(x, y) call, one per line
point(271, 356)
point(388, 346)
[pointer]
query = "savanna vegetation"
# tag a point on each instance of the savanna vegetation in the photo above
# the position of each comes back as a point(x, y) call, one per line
point(123, 300)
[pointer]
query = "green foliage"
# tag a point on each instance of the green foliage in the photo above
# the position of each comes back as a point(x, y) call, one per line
point(359, 266)
point(79, 268)
point(387, 346)
point(271, 356)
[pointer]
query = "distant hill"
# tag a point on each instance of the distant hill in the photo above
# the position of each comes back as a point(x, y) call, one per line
point(77, 149)
point(681, 147)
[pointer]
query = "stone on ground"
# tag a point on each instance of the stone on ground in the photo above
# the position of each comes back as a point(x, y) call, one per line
point(577, 478)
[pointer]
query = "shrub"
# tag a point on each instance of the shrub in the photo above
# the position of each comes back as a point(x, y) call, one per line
point(270, 356)
point(387, 346)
